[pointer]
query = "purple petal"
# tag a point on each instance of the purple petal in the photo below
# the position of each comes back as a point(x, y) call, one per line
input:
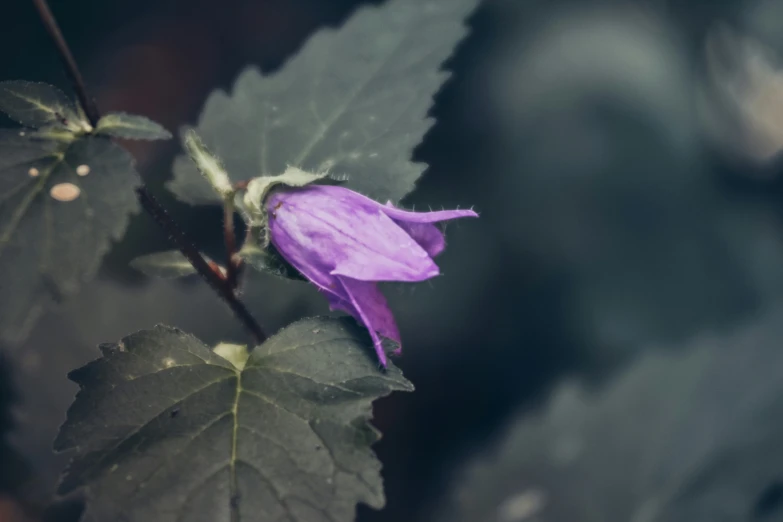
point(372, 309)
point(417, 224)
point(317, 270)
point(399, 215)
point(396, 214)
point(372, 299)
point(370, 306)
point(427, 235)
point(339, 229)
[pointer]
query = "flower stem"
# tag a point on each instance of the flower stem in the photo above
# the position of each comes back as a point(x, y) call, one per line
point(87, 103)
point(199, 263)
point(221, 285)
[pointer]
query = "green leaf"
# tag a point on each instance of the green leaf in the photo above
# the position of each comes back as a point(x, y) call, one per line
point(353, 102)
point(49, 247)
point(170, 264)
point(38, 104)
point(677, 437)
point(131, 127)
point(165, 429)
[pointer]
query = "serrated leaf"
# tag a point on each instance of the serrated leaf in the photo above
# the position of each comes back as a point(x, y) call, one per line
point(49, 247)
point(165, 265)
point(165, 429)
point(686, 437)
point(37, 104)
point(131, 127)
point(354, 102)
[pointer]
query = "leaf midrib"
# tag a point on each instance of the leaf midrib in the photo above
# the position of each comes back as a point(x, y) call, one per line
point(232, 486)
point(34, 103)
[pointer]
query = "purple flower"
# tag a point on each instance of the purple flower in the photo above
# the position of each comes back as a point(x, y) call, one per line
point(345, 243)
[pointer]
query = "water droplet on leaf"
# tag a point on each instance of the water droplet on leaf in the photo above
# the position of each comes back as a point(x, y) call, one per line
point(65, 192)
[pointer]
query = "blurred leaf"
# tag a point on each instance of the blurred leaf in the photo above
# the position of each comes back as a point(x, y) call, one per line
point(166, 429)
point(741, 103)
point(36, 104)
point(689, 437)
point(131, 127)
point(165, 265)
point(61, 205)
point(354, 102)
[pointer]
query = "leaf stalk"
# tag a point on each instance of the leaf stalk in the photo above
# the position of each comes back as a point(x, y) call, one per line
point(213, 278)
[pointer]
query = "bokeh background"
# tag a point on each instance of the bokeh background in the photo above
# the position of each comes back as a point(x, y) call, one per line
point(624, 158)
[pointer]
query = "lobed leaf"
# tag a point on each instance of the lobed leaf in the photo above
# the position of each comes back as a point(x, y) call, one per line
point(61, 204)
point(131, 127)
point(353, 102)
point(166, 429)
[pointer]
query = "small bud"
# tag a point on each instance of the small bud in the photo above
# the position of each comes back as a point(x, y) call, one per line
point(83, 170)
point(33, 172)
point(236, 354)
point(208, 165)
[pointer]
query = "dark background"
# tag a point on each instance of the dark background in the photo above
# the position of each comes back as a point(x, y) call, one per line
point(613, 221)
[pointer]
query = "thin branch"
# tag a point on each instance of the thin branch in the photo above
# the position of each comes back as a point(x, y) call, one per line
point(212, 275)
point(87, 103)
point(192, 254)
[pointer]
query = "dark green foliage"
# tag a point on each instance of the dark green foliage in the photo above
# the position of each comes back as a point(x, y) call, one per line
point(65, 194)
point(48, 247)
point(165, 429)
point(38, 105)
point(353, 102)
